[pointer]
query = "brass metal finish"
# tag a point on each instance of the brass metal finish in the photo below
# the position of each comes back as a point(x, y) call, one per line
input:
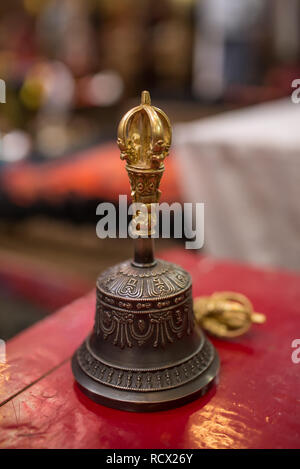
point(145, 352)
point(226, 314)
point(144, 138)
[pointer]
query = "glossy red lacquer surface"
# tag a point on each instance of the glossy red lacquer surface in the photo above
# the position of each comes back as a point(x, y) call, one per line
point(255, 405)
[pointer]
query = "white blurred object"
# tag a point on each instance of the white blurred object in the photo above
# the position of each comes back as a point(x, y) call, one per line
point(15, 146)
point(2, 352)
point(52, 138)
point(216, 22)
point(231, 16)
point(105, 88)
point(59, 86)
point(245, 166)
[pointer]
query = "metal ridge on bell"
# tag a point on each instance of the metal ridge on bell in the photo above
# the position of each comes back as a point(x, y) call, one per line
point(145, 352)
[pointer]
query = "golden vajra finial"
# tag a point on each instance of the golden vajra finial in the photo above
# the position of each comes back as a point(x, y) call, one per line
point(144, 138)
point(226, 314)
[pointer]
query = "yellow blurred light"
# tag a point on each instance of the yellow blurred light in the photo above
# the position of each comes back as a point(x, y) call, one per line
point(34, 6)
point(32, 93)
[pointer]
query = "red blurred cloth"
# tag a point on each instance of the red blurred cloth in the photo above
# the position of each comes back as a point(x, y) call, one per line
point(255, 405)
point(95, 173)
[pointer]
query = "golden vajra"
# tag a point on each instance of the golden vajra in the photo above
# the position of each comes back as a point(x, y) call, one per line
point(144, 138)
point(226, 314)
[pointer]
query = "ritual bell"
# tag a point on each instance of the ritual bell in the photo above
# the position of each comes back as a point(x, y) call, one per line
point(145, 352)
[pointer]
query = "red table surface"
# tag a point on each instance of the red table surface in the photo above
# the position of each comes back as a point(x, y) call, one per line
point(255, 405)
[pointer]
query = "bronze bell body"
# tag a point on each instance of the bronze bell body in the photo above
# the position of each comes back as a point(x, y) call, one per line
point(145, 352)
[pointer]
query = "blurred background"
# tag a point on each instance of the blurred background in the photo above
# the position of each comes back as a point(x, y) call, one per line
point(221, 69)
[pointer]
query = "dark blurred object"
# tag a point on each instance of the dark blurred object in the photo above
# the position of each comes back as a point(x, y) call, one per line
point(238, 43)
point(21, 314)
point(228, 43)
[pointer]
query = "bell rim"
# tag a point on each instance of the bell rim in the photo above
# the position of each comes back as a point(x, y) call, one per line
point(151, 401)
point(150, 369)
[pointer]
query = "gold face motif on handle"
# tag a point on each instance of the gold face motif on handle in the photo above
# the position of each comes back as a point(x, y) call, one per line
point(144, 138)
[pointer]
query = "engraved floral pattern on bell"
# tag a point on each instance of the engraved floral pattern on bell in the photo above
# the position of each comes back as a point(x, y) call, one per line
point(157, 328)
point(125, 281)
